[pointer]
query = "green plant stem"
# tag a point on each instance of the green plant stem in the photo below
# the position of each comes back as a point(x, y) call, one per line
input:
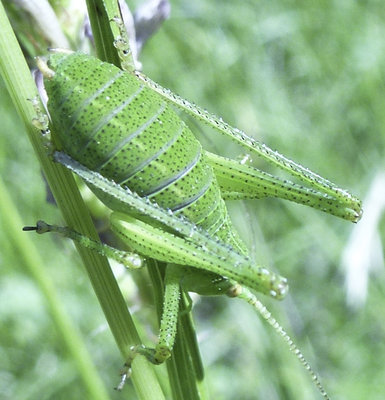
point(20, 85)
point(185, 369)
point(101, 29)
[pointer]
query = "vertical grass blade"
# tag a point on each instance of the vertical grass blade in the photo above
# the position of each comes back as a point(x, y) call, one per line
point(33, 262)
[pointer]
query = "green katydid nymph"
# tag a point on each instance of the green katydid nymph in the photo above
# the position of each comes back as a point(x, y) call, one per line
point(120, 133)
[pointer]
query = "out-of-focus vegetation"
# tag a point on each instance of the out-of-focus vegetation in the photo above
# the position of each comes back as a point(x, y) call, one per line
point(306, 78)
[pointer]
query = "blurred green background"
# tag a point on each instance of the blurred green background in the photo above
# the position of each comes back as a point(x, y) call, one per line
point(305, 77)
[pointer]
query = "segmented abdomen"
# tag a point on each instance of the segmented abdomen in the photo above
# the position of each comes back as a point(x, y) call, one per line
point(111, 123)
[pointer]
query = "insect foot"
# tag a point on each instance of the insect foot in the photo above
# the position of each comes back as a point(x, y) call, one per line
point(127, 57)
point(41, 122)
point(155, 356)
point(40, 227)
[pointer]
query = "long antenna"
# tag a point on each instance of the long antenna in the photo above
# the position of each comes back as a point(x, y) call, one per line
point(245, 294)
